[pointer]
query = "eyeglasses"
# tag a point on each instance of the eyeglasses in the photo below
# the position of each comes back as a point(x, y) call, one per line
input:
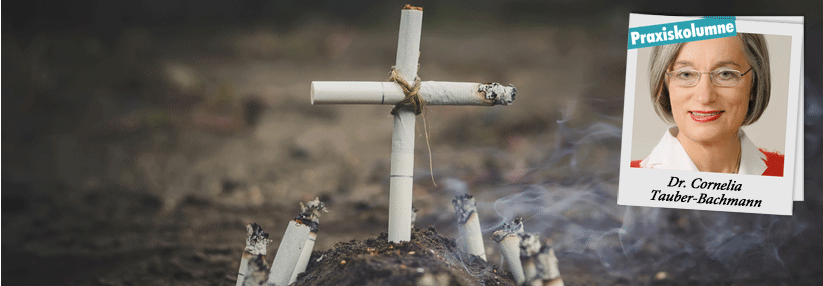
point(720, 77)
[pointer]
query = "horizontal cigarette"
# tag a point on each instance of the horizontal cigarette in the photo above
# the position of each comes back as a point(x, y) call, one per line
point(547, 267)
point(257, 243)
point(468, 224)
point(432, 92)
point(289, 252)
point(529, 247)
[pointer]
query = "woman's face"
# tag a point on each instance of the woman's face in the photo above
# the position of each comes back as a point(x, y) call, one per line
point(706, 113)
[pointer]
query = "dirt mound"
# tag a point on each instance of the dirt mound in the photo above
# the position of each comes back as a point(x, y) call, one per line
point(428, 259)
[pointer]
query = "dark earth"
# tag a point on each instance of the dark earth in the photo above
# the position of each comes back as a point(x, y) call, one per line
point(140, 138)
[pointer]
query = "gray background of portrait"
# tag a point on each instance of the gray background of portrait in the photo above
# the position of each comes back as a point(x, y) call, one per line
point(769, 132)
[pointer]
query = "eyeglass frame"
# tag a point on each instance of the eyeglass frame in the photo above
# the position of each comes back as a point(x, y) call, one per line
point(700, 75)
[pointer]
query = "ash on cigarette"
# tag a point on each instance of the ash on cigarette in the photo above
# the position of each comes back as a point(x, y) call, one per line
point(428, 259)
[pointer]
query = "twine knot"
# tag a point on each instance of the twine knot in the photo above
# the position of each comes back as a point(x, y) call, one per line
point(411, 91)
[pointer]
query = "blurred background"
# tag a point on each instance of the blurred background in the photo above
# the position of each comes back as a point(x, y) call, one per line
point(139, 138)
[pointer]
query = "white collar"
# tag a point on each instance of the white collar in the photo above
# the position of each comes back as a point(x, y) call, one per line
point(669, 154)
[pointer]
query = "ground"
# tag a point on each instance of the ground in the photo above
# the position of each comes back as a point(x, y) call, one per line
point(139, 160)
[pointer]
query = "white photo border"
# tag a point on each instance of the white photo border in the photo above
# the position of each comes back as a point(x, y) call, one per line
point(774, 193)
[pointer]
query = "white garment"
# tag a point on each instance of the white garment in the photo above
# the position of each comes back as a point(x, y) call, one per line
point(670, 155)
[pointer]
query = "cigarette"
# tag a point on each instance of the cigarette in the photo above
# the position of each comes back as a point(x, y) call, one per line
point(529, 247)
point(508, 239)
point(432, 92)
point(402, 147)
point(289, 251)
point(257, 242)
point(257, 271)
point(468, 225)
point(312, 210)
point(414, 216)
point(547, 272)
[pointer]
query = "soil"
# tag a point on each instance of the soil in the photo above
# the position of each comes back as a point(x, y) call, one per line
point(428, 257)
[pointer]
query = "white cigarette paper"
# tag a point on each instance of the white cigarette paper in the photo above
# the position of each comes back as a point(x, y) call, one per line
point(432, 92)
point(311, 211)
point(509, 241)
point(402, 154)
point(288, 253)
point(257, 243)
point(257, 271)
point(529, 247)
point(548, 273)
point(468, 225)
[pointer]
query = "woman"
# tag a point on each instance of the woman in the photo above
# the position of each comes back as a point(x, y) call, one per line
point(709, 89)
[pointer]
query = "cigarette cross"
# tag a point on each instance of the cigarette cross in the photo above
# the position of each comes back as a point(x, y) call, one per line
point(390, 93)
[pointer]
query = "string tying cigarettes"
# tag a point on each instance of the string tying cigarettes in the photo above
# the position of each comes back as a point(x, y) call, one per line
point(311, 211)
point(468, 224)
point(257, 243)
point(411, 91)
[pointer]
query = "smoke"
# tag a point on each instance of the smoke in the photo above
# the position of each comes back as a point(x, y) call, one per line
point(569, 196)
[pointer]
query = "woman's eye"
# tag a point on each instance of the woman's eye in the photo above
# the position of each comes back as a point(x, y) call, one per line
point(686, 75)
point(725, 74)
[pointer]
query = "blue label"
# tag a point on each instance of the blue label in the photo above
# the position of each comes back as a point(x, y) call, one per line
point(681, 32)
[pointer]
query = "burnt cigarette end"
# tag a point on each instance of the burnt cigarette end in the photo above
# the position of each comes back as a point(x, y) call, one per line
point(512, 228)
point(529, 244)
point(257, 241)
point(496, 93)
point(312, 210)
point(465, 206)
point(410, 7)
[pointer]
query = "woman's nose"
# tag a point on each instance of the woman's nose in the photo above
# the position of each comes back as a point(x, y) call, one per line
point(705, 90)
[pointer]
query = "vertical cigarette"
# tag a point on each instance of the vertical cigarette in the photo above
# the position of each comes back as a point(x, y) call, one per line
point(312, 210)
point(257, 242)
point(402, 154)
point(547, 272)
point(289, 251)
point(468, 225)
point(508, 239)
point(414, 216)
point(257, 271)
point(529, 247)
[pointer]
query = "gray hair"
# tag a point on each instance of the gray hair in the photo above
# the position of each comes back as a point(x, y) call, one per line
point(757, 53)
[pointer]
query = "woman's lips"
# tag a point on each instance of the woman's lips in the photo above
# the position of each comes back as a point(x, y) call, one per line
point(705, 116)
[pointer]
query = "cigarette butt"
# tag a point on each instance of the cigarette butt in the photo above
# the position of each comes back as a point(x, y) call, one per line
point(468, 225)
point(257, 243)
point(256, 275)
point(529, 247)
point(414, 216)
point(510, 248)
point(547, 266)
point(508, 239)
point(289, 252)
point(311, 211)
point(303, 261)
